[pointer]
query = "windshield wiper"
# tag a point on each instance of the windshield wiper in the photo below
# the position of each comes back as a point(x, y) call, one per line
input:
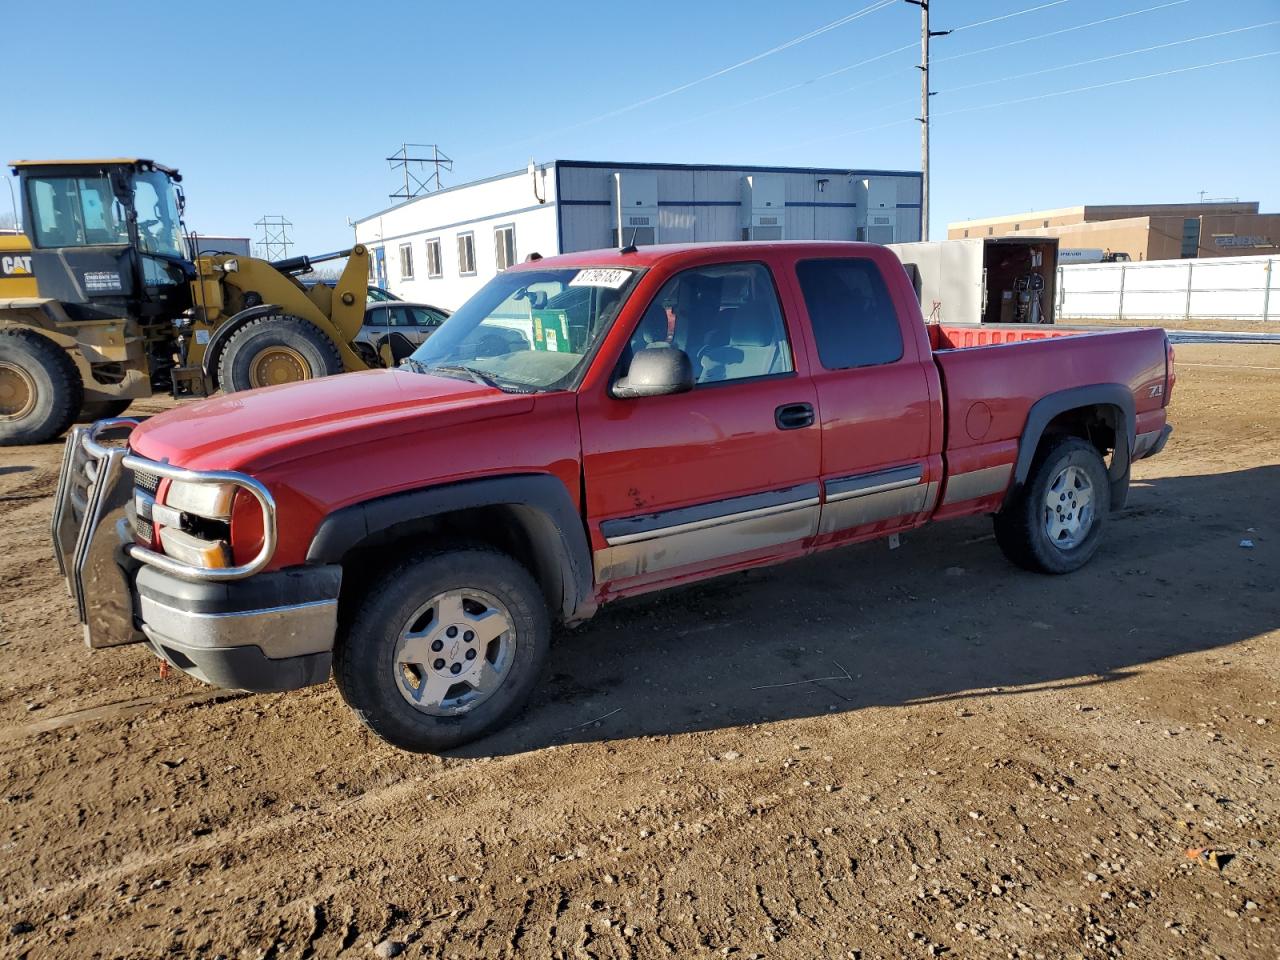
point(479, 376)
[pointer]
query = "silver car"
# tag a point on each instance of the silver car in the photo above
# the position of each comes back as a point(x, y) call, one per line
point(403, 327)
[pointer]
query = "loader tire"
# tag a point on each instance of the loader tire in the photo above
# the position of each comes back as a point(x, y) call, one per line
point(276, 349)
point(94, 410)
point(40, 388)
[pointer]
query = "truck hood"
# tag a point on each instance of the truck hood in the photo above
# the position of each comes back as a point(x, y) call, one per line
point(259, 428)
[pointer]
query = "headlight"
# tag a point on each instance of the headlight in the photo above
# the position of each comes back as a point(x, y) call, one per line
point(209, 500)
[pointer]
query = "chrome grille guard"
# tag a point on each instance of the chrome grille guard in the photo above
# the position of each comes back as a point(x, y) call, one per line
point(93, 539)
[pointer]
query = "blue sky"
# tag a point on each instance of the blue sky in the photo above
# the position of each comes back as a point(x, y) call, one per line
point(292, 108)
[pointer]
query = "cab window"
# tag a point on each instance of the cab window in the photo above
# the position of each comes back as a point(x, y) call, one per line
point(725, 317)
point(853, 319)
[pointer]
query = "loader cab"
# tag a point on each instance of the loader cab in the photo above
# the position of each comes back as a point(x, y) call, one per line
point(106, 237)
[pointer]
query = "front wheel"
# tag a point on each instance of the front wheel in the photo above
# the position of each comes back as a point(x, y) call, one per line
point(1054, 523)
point(446, 649)
point(276, 349)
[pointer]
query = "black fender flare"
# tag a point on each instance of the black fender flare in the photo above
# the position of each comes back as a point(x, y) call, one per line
point(539, 503)
point(226, 330)
point(1043, 411)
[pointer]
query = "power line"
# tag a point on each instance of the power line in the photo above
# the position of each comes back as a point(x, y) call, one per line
point(861, 63)
point(865, 11)
point(1091, 60)
point(1060, 32)
point(1012, 43)
point(1110, 83)
point(871, 8)
point(1112, 56)
point(1042, 96)
point(1008, 16)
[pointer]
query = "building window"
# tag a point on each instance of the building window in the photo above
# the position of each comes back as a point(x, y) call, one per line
point(1046, 224)
point(433, 258)
point(466, 254)
point(1190, 237)
point(406, 261)
point(966, 233)
point(990, 231)
point(504, 246)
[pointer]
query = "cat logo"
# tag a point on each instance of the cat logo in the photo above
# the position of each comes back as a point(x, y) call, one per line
point(17, 265)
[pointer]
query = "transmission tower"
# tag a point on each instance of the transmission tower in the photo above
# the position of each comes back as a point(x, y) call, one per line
point(411, 158)
point(275, 242)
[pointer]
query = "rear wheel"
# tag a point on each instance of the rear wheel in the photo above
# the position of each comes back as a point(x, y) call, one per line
point(276, 349)
point(92, 410)
point(1054, 522)
point(40, 388)
point(445, 650)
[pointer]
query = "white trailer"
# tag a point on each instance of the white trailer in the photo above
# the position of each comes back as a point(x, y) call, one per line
point(983, 280)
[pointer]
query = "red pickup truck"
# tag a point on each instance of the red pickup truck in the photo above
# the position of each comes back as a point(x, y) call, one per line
point(586, 427)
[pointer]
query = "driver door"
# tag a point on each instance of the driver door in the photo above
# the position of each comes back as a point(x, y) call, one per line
point(723, 476)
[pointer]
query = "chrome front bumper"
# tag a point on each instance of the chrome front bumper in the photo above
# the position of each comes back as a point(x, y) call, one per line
point(232, 626)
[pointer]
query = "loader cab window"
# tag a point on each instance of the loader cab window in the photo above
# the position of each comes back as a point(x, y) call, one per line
point(75, 212)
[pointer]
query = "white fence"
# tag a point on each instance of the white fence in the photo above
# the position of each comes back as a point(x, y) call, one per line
point(1227, 288)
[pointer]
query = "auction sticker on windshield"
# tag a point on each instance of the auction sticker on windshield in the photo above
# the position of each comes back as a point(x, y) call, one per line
point(600, 277)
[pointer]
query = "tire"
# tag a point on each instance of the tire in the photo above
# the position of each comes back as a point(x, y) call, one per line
point(366, 353)
point(1045, 527)
point(94, 410)
point(276, 349)
point(40, 388)
point(380, 686)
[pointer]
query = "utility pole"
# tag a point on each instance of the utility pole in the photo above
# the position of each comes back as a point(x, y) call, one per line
point(925, 94)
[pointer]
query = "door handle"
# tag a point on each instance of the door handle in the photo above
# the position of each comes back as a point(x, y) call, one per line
point(793, 416)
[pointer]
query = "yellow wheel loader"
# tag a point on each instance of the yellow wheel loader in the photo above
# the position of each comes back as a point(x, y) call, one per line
point(103, 302)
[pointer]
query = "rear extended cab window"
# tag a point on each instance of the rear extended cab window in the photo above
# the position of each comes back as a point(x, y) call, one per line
point(851, 313)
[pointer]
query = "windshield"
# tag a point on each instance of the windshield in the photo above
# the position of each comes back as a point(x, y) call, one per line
point(159, 228)
point(528, 329)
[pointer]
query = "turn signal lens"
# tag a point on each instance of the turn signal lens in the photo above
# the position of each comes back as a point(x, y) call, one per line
point(185, 548)
point(209, 500)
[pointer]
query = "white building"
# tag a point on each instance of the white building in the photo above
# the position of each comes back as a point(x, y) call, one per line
point(441, 247)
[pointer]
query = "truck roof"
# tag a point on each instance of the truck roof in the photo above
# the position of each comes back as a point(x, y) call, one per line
point(647, 256)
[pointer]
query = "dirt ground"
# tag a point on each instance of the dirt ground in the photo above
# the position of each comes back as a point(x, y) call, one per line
point(873, 753)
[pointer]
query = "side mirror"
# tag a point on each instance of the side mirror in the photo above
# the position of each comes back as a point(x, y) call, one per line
point(657, 370)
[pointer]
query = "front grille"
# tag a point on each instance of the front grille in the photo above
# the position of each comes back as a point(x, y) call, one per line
point(149, 482)
point(143, 529)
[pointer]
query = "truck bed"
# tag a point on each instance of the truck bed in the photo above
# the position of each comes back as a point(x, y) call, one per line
point(960, 336)
point(993, 375)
